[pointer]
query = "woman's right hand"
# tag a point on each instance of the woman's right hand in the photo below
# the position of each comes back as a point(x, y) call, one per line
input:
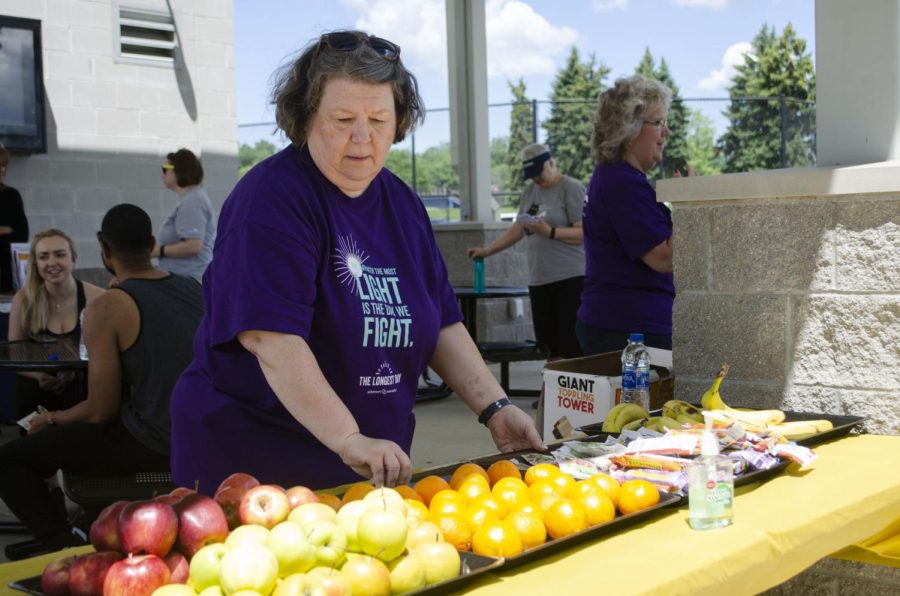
point(477, 251)
point(381, 460)
point(54, 383)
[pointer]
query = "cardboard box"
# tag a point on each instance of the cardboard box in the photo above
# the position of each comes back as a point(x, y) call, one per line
point(581, 391)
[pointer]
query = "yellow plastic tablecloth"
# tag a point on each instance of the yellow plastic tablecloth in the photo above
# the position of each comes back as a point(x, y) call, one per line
point(781, 527)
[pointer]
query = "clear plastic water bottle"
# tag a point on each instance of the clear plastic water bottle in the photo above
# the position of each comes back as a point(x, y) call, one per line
point(636, 372)
point(82, 349)
point(478, 268)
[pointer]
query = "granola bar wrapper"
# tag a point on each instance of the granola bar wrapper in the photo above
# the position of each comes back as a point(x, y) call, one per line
point(665, 481)
point(796, 453)
point(650, 461)
point(669, 444)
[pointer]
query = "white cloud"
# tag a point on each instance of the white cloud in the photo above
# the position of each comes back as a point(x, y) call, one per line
point(603, 5)
point(711, 4)
point(417, 26)
point(719, 79)
point(521, 42)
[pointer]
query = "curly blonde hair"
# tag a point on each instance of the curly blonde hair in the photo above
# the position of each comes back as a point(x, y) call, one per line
point(35, 300)
point(620, 113)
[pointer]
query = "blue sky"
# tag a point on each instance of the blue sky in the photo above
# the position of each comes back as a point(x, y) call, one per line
point(700, 40)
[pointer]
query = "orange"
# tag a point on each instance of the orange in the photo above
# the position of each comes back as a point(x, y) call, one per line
point(474, 487)
point(491, 502)
point(511, 491)
point(565, 517)
point(465, 470)
point(476, 515)
point(456, 504)
point(540, 472)
point(497, 539)
point(563, 481)
point(528, 507)
point(635, 495)
point(407, 492)
point(607, 483)
point(333, 501)
point(530, 527)
point(581, 488)
point(429, 486)
point(502, 469)
point(455, 530)
point(541, 488)
point(546, 501)
point(357, 491)
point(598, 507)
point(417, 511)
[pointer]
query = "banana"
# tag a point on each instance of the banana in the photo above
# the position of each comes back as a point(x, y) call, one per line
point(686, 419)
point(621, 415)
point(675, 408)
point(752, 420)
point(635, 424)
point(801, 428)
point(666, 422)
point(711, 400)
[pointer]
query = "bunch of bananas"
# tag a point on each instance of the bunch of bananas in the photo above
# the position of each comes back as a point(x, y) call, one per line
point(682, 411)
point(623, 414)
point(760, 420)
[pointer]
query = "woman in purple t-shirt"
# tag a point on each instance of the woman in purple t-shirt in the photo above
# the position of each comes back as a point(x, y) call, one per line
point(628, 284)
point(327, 296)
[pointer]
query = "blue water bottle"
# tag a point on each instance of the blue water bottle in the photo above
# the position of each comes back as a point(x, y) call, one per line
point(478, 266)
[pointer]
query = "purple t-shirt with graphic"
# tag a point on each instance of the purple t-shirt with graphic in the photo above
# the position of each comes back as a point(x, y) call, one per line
point(360, 279)
point(622, 222)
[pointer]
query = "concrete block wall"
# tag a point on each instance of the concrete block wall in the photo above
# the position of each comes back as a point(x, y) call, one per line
point(800, 294)
point(110, 122)
point(496, 317)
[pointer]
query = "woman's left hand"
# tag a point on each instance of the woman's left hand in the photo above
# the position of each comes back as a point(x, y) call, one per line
point(512, 429)
point(39, 422)
point(540, 227)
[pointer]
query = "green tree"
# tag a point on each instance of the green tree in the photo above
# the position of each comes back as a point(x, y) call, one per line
point(675, 154)
point(434, 174)
point(701, 144)
point(776, 66)
point(250, 156)
point(499, 165)
point(399, 161)
point(521, 133)
point(574, 95)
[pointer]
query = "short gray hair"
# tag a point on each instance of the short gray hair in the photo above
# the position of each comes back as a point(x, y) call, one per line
point(620, 113)
point(299, 85)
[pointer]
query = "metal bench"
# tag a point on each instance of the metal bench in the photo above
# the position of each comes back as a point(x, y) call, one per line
point(504, 352)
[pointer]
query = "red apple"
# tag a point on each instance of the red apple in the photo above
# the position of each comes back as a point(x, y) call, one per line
point(240, 480)
point(266, 505)
point(229, 499)
point(298, 495)
point(182, 491)
point(136, 576)
point(87, 573)
point(147, 527)
point(178, 567)
point(55, 579)
point(104, 531)
point(167, 499)
point(201, 521)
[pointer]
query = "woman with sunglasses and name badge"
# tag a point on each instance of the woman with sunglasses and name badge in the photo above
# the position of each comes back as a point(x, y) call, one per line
point(184, 244)
point(628, 246)
point(327, 296)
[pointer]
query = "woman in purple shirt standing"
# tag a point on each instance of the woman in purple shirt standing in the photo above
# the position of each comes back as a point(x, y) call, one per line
point(327, 297)
point(628, 284)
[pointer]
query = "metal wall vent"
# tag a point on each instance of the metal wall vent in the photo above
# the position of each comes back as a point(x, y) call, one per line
point(147, 35)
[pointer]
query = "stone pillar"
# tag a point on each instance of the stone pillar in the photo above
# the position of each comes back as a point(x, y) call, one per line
point(470, 151)
point(857, 82)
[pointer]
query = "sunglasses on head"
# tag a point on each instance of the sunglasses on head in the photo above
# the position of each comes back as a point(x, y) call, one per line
point(344, 41)
point(167, 166)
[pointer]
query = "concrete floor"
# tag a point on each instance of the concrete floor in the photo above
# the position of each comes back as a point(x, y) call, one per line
point(446, 431)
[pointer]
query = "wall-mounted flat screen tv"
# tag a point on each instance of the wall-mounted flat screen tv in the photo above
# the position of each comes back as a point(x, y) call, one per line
point(22, 126)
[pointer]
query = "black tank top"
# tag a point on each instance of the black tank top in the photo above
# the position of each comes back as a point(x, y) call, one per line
point(74, 333)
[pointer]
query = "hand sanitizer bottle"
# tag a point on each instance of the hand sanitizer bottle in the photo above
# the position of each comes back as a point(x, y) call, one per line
point(711, 484)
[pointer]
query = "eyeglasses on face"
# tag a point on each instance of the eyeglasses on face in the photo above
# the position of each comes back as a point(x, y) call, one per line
point(344, 41)
point(167, 166)
point(659, 123)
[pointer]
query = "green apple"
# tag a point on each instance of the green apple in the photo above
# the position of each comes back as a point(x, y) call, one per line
point(367, 576)
point(348, 519)
point(310, 512)
point(215, 590)
point(336, 584)
point(329, 540)
point(442, 561)
point(206, 565)
point(422, 532)
point(248, 567)
point(300, 584)
point(289, 544)
point(382, 533)
point(407, 574)
point(248, 534)
point(174, 590)
point(387, 498)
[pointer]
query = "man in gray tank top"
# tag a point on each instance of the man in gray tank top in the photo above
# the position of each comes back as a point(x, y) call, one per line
point(138, 336)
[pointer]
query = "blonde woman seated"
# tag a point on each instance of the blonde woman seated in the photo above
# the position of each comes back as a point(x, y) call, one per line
point(50, 305)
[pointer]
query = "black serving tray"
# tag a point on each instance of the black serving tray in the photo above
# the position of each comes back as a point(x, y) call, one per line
point(472, 566)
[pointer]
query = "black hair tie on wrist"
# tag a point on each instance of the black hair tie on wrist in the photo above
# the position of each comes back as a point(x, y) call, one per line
point(162, 251)
point(552, 232)
point(488, 412)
